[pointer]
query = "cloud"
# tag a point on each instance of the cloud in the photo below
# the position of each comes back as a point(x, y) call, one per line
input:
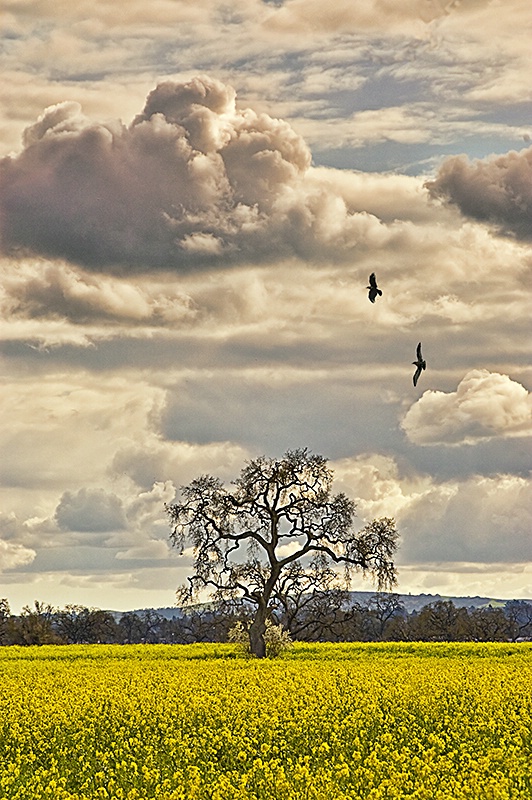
point(146, 509)
point(147, 536)
point(64, 434)
point(496, 190)
point(393, 15)
point(377, 483)
point(152, 550)
point(151, 462)
point(103, 15)
point(485, 405)
point(482, 519)
point(12, 553)
point(281, 406)
point(129, 526)
point(90, 510)
point(56, 290)
point(192, 182)
point(463, 579)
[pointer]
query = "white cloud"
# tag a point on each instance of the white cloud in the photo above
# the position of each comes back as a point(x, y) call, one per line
point(13, 554)
point(377, 485)
point(482, 519)
point(154, 460)
point(190, 171)
point(66, 433)
point(153, 549)
point(37, 289)
point(463, 579)
point(485, 405)
point(392, 16)
point(147, 506)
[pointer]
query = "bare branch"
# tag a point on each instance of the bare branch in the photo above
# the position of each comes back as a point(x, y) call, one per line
point(278, 514)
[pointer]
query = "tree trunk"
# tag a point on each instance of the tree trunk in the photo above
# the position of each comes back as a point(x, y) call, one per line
point(257, 630)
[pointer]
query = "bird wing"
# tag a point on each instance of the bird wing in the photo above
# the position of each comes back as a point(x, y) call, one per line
point(419, 356)
point(373, 281)
point(417, 373)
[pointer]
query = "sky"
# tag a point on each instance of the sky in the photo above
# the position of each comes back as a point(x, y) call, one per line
point(192, 198)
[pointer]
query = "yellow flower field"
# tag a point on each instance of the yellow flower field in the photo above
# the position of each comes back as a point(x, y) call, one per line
point(324, 722)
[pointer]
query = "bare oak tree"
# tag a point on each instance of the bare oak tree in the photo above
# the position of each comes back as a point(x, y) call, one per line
point(278, 512)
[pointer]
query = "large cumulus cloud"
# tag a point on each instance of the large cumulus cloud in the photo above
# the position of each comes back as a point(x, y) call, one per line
point(496, 190)
point(485, 405)
point(191, 182)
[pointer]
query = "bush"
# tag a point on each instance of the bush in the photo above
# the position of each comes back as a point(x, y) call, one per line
point(276, 638)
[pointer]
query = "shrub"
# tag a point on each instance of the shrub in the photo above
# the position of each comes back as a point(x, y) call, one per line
point(277, 639)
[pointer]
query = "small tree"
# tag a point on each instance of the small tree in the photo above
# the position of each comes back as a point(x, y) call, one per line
point(383, 608)
point(489, 625)
point(519, 615)
point(441, 621)
point(77, 624)
point(140, 627)
point(278, 513)
point(36, 625)
point(5, 614)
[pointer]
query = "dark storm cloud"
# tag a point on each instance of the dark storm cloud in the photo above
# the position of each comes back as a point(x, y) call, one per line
point(192, 182)
point(494, 190)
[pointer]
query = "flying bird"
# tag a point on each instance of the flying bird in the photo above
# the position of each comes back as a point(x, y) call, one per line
point(420, 364)
point(373, 288)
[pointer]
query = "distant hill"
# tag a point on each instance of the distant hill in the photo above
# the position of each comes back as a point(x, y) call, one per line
point(415, 602)
point(411, 602)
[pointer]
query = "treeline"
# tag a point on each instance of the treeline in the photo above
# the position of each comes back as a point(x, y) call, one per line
point(326, 617)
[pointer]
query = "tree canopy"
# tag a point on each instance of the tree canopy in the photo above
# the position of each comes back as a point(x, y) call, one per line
point(278, 512)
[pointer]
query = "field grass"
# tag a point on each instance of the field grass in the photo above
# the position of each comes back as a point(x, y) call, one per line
point(324, 722)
